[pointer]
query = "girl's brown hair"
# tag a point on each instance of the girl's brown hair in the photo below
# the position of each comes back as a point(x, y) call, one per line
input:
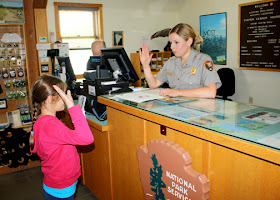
point(185, 31)
point(41, 89)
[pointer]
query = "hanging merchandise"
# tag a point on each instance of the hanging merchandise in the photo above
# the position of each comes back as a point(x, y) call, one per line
point(11, 38)
point(16, 94)
point(9, 95)
point(22, 93)
point(13, 61)
point(18, 60)
point(12, 72)
point(2, 63)
point(16, 83)
point(16, 48)
point(5, 73)
point(20, 71)
point(22, 82)
point(7, 61)
point(10, 49)
point(8, 84)
point(2, 49)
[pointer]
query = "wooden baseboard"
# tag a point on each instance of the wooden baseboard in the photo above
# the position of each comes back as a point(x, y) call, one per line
point(7, 170)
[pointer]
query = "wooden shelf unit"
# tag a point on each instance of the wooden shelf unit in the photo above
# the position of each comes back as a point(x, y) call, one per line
point(157, 62)
point(11, 58)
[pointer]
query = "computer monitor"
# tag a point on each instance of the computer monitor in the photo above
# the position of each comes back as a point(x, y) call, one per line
point(70, 76)
point(119, 64)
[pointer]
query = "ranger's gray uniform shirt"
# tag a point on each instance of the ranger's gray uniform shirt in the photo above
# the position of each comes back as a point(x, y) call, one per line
point(196, 72)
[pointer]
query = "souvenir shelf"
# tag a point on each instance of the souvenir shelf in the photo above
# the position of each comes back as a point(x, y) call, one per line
point(14, 79)
point(13, 72)
point(157, 62)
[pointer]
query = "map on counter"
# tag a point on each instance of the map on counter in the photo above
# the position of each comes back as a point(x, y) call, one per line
point(205, 120)
point(251, 125)
point(265, 117)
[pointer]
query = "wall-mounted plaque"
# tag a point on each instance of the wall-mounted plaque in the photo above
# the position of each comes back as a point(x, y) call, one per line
point(259, 36)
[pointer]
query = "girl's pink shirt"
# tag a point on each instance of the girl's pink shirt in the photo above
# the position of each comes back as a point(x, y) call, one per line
point(55, 144)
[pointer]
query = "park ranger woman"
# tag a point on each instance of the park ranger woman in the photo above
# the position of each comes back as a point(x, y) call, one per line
point(189, 73)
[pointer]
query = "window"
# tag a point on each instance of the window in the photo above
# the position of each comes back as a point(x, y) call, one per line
point(78, 25)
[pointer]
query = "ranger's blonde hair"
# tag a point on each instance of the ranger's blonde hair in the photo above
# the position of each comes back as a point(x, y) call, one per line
point(185, 31)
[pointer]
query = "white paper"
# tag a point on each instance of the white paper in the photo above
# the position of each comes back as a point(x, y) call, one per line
point(46, 59)
point(82, 102)
point(43, 46)
point(139, 97)
point(42, 53)
point(43, 39)
point(63, 49)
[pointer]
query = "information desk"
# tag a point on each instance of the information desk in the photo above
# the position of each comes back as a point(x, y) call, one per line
point(235, 145)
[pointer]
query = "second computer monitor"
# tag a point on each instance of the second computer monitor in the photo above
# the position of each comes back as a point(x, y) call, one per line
point(119, 64)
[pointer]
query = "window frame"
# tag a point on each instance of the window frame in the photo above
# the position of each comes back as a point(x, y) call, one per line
point(99, 19)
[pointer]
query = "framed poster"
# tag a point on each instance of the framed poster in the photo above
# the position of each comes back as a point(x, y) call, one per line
point(213, 30)
point(117, 38)
point(259, 36)
point(11, 12)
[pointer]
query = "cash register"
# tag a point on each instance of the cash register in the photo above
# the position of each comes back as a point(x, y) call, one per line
point(111, 72)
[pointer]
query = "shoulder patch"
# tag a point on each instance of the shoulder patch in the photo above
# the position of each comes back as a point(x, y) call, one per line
point(208, 65)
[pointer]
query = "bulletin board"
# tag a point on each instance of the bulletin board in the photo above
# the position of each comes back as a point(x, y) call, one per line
point(259, 36)
point(14, 82)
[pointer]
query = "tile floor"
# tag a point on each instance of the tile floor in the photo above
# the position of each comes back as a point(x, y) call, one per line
point(27, 185)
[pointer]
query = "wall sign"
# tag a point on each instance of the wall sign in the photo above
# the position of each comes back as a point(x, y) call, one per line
point(165, 172)
point(259, 36)
point(213, 30)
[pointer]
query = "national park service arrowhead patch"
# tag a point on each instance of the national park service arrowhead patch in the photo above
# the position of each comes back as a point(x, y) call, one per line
point(209, 65)
point(166, 173)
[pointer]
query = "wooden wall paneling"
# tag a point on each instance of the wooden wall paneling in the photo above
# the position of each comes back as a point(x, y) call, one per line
point(57, 23)
point(40, 3)
point(42, 31)
point(30, 38)
point(135, 61)
point(41, 23)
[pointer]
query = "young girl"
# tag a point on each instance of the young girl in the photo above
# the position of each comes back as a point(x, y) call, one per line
point(54, 142)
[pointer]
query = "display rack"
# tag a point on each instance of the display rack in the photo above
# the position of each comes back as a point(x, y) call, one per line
point(157, 62)
point(13, 68)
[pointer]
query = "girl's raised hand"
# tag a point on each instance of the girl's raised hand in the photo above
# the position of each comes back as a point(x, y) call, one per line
point(68, 100)
point(145, 56)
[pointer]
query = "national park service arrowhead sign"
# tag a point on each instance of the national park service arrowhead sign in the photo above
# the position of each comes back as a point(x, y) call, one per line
point(166, 173)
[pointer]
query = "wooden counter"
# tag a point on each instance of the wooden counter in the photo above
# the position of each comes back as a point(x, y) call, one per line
point(237, 168)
